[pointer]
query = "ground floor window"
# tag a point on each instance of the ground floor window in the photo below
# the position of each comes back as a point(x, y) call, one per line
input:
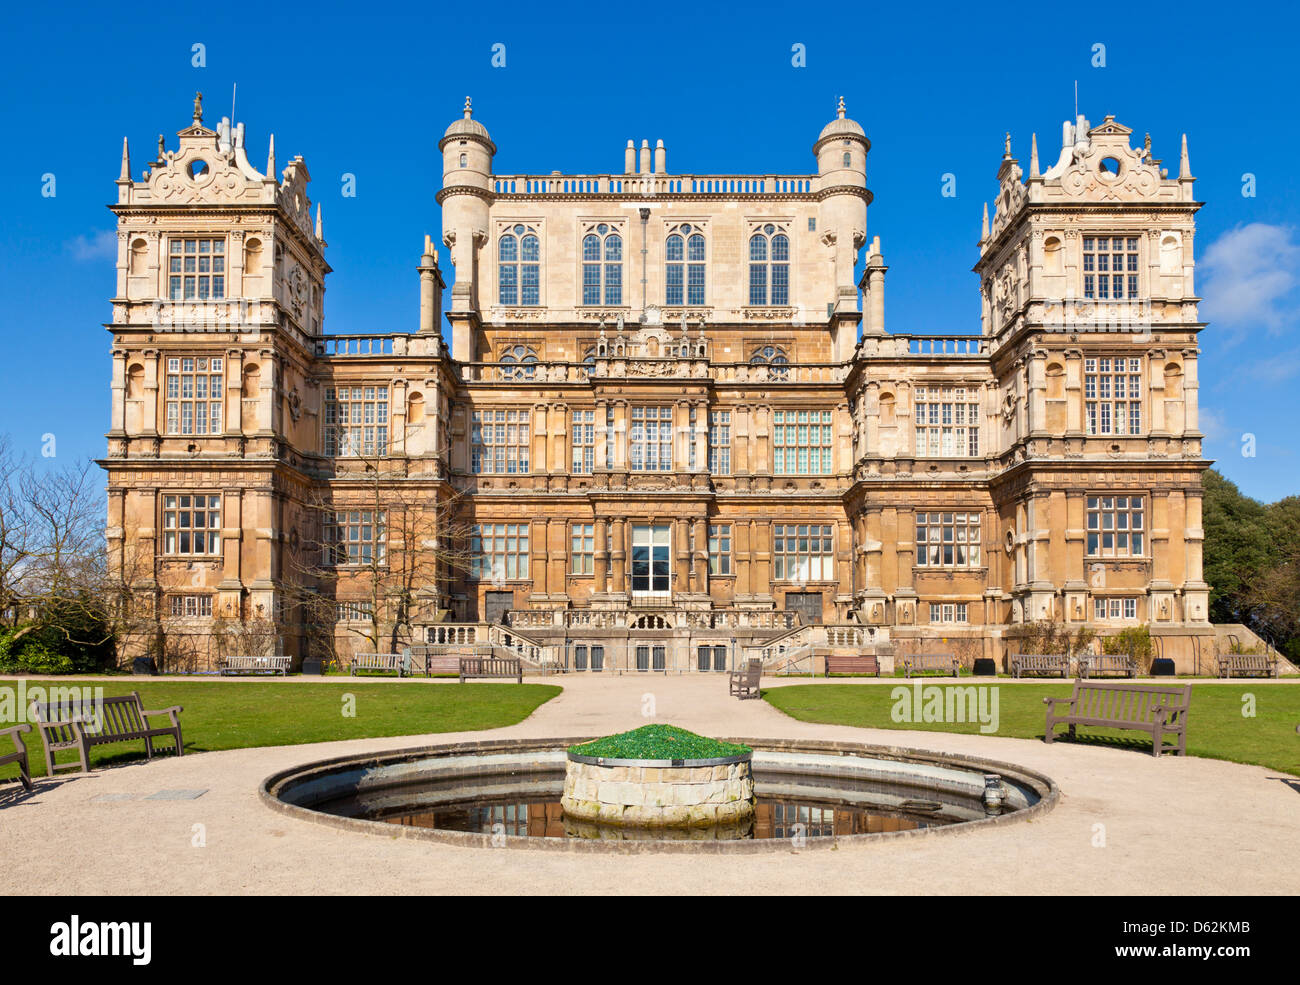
point(190, 605)
point(499, 551)
point(803, 552)
point(1114, 608)
point(650, 657)
point(947, 612)
point(711, 658)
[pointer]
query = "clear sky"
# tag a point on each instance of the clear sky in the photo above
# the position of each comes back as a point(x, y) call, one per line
point(357, 90)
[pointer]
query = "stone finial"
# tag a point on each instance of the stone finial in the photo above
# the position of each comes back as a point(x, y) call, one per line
point(270, 159)
point(1033, 156)
point(320, 229)
point(198, 108)
point(839, 112)
point(1007, 150)
point(469, 112)
point(984, 229)
point(1146, 149)
point(126, 162)
point(162, 146)
point(1184, 164)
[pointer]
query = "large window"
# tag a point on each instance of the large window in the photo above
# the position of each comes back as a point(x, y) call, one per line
point(354, 537)
point(720, 442)
point(650, 561)
point(947, 421)
point(195, 387)
point(196, 270)
point(519, 256)
point(650, 442)
point(1112, 394)
point(719, 548)
point(356, 420)
point(354, 611)
point(582, 548)
point(583, 441)
point(769, 266)
point(948, 540)
point(191, 525)
point(499, 441)
point(499, 551)
point(602, 266)
point(803, 552)
point(1115, 526)
point(1110, 268)
point(801, 442)
point(684, 266)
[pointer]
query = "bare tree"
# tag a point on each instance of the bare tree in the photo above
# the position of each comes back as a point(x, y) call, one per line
point(383, 546)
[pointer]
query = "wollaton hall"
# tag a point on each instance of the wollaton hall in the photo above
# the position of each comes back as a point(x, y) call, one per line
point(670, 429)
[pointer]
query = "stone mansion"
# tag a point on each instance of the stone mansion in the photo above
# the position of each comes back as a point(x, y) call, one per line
point(669, 428)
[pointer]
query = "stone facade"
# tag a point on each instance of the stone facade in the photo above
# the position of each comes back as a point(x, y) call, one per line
point(670, 428)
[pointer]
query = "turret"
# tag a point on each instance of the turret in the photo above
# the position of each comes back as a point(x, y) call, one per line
point(467, 152)
point(841, 152)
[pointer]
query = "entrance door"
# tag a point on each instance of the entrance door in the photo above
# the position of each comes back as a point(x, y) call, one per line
point(496, 605)
point(807, 604)
point(711, 658)
point(650, 562)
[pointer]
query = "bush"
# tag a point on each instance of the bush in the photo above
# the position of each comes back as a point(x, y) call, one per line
point(67, 641)
point(1134, 641)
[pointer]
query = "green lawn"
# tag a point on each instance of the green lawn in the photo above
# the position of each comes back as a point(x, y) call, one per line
point(1216, 726)
point(273, 713)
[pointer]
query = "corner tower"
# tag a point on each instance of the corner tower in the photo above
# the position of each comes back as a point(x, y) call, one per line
point(841, 151)
point(467, 152)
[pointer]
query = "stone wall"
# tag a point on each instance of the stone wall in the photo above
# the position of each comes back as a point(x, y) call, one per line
point(658, 796)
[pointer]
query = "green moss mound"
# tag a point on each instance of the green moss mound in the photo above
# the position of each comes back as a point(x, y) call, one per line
point(658, 742)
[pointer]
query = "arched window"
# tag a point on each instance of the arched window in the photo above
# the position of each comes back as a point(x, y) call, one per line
point(769, 266)
point(518, 362)
point(772, 356)
point(848, 160)
point(519, 254)
point(464, 160)
point(589, 361)
point(602, 266)
point(684, 266)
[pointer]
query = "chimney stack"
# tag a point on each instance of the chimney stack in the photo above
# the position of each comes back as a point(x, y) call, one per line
point(661, 158)
point(431, 287)
point(629, 158)
point(645, 157)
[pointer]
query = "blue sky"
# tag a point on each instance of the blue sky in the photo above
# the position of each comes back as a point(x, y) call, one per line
point(369, 93)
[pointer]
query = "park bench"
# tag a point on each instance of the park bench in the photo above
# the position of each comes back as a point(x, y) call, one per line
point(118, 719)
point(858, 663)
point(256, 665)
point(491, 667)
point(382, 662)
point(1040, 663)
point(423, 660)
point(944, 663)
point(19, 755)
point(1115, 664)
point(1248, 665)
point(1152, 708)
point(744, 683)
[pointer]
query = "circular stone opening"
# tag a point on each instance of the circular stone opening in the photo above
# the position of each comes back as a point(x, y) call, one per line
point(508, 792)
point(659, 776)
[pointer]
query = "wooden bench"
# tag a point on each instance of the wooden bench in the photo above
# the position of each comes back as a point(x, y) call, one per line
point(1113, 664)
point(1040, 663)
point(743, 683)
point(382, 662)
point(19, 755)
point(491, 667)
point(423, 660)
point(1248, 665)
point(277, 664)
point(857, 663)
point(1152, 708)
point(944, 663)
point(118, 719)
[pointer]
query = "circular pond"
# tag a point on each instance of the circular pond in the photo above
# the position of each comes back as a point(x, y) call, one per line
point(507, 793)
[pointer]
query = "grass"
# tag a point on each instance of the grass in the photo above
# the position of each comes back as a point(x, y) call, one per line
point(1216, 729)
point(275, 713)
point(658, 742)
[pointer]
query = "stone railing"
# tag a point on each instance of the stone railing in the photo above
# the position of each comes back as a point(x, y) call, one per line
point(886, 346)
point(648, 185)
point(388, 344)
point(632, 618)
point(635, 367)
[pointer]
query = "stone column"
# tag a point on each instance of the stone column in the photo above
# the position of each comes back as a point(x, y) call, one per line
point(701, 580)
point(600, 562)
point(152, 363)
point(537, 555)
point(118, 416)
point(681, 542)
point(618, 556)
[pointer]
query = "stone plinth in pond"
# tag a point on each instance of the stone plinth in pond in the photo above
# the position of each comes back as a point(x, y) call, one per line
point(658, 776)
